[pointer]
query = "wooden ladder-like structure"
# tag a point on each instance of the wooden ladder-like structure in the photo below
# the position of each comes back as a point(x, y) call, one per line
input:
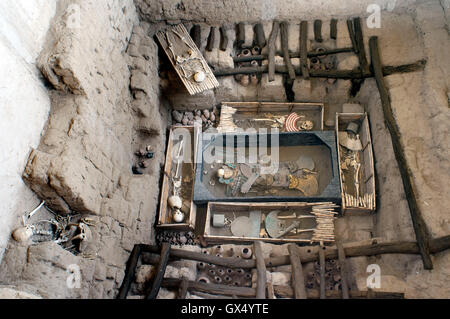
point(160, 256)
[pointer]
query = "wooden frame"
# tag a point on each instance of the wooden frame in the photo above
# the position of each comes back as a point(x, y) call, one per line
point(252, 108)
point(264, 207)
point(193, 87)
point(164, 211)
point(330, 192)
point(368, 182)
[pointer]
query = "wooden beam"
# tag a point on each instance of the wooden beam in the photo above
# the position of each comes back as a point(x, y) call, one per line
point(160, 271)
point(318, 30)
point(322, 272)
point(209, 296)
point(270, 291)
point(351, 34)
point(271, 45)
point(333, 29)
point(288, 292)
point(304, 49)
point(210, 288)
point(259, 35)
point(284, 30)
point(211, 39)
point(310, 54)
point(223, 38)
point(297, 272)
point(129, 272)
point(211, 259)
point(184, 285)
point(344, 270)
point(311, 253)
point(196, 35)
point(240, 35)
point(334, 74)
point(261, 271)
point(360, 45)
point(420, 228)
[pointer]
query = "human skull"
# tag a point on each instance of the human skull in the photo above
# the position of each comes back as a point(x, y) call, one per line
point(175, 202)
point(178, 216)
point(220, 172)
point(22, 234)
point(306, 125)
point(199, 76)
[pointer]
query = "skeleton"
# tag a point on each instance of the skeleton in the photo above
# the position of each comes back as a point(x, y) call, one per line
point(78, 236)
point(180, 60)
point(175, 201)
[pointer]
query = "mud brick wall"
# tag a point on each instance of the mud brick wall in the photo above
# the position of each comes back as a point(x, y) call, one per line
point(257, 10)
point(104, 105)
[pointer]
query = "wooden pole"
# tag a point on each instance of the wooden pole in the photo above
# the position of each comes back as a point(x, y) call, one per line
point(335, 74)
point(304, 49)
point(210, 259)
point(351, 33)
point(196, 35)
point(311, 253)
point(322, 272)
point(318, 30)
point(311, 54)
point(344, 271)
point(240, 35)
point(297, 272)
point(129, 272)
point(213, 290)
point(184, 285)
point(420, 228)
point(333, 29)
point(210, 288)
point(209, 296)
point(270, 291)
point(360, 45)
point(223, 38)
point(288, 292)
point(261, 271)
point(160, 270)
point(271, 45)
point(259, 35)
point(211, 39)
point(284, 30)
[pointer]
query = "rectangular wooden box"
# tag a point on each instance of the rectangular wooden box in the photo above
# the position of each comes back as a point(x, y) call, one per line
point(367, 184)
point(252, 110)
point(328, 192)
point(218, 235)
point(189, 207)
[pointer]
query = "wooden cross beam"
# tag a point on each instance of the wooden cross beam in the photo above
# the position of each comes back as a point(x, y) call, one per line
point(420, 228)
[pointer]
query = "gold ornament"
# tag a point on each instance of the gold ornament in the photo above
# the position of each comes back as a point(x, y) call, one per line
point(308, 185)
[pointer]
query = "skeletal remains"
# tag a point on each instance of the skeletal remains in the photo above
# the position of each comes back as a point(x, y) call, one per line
point(73, 236)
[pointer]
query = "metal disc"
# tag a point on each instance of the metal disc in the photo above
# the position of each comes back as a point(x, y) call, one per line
point(272, 224)
point(242, 226)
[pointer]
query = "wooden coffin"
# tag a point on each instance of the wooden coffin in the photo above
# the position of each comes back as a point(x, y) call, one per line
point(186, 59)
point(320, 145)
point(316, 222)
point(165, 220)
point(367, 201)
point(252, 114)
